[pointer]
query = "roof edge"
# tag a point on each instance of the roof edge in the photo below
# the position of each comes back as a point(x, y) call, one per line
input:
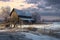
point(12, 11)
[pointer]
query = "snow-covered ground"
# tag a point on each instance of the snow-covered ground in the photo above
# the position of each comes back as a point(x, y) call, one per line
point(36, 25)
point(32, 36)
point(25, 36)
point(38, 37)
point(3, 30)
point(53, 26)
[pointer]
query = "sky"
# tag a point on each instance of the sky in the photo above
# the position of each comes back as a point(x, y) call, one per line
point(48, 9)
point(20, 4)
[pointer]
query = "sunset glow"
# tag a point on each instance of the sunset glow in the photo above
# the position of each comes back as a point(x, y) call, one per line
point(15, 4)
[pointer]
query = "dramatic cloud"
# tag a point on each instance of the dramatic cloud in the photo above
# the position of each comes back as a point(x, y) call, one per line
point(33, 1)
point(4, 0)
point(46, 6)
point(54, 3)
point(20, 4)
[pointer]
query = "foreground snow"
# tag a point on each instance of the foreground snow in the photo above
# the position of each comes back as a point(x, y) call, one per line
point(3, 30)
point(54, 26)
point(25, 36)
point(38, 37)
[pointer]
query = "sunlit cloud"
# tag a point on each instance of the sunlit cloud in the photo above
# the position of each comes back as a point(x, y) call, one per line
point(20, 4)
point(44, 7)
point(5, 0)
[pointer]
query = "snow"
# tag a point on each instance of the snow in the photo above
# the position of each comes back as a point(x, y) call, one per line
point(38, 37)
point(25, 35)
point(3, 30)
point(47, 26)
point(29, 35)
point(54, 26)
point(21, 12)
point(26, 18)
point(36, 26)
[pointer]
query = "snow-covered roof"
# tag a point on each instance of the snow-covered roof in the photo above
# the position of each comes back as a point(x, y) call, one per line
point(23, 13)
point(27, 19)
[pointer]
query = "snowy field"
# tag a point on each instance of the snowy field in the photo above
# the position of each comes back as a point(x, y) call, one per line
point(31, 36)
point(53, 26)
point(25, 36)
point(40, 37)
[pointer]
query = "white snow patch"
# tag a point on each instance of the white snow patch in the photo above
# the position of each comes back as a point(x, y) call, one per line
point(38, 37)
point(54, 26)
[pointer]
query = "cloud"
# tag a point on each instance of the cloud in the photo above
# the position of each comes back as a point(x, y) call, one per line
point(5, 0)
point(32, 1)
point(51, 7)
point(46, 6)
point(20, 4)
point(53, 3)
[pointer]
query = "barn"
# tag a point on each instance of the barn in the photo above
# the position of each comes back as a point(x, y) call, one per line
point(21, 16)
